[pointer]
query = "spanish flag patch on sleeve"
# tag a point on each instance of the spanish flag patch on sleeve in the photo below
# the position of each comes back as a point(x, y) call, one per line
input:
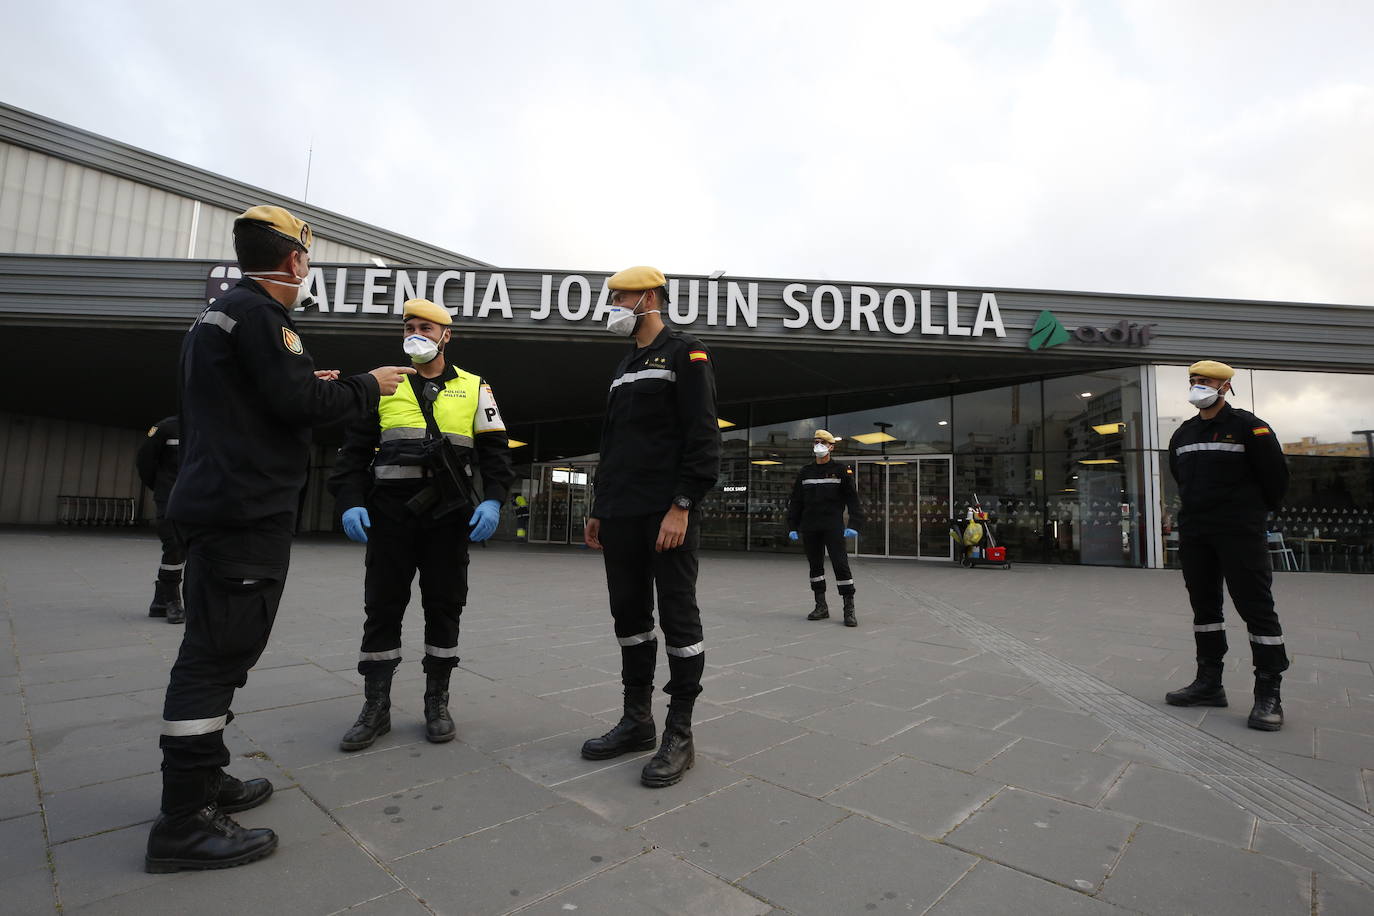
point(698, 356)
point(1260, 431)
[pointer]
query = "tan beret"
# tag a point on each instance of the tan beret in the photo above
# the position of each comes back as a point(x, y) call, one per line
point(635, 278)
point(423, 308)
point(825, 436)
point(1210, 368)
point(281, 222)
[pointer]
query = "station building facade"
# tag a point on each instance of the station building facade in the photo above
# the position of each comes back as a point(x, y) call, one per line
point(1052, 408)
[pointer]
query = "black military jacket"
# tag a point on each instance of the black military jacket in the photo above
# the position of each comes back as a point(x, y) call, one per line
point(820, 495)
point(159, 457)
point(659, 438)
point(249, 397)
point(1230, 470)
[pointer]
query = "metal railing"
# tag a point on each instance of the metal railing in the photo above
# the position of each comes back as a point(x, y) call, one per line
point(97, 510)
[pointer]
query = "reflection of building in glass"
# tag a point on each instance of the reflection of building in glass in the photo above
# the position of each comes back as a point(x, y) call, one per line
point(1310, 446)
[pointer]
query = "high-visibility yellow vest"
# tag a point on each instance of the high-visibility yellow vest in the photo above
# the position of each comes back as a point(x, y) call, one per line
point(403, 427)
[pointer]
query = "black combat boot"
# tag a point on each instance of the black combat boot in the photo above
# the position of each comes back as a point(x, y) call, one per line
point(375, 719)
point(1267, 713)
point(1205, 690)
point(235, 795)
point(162, 593)
point(192, 833)
point(675, 755)
point(849, 619)
point(821, 610)
point(438, 723)
point(634, 732)
point(176, 611)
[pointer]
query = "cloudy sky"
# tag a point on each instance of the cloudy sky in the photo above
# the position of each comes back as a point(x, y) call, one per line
point(1189, 147)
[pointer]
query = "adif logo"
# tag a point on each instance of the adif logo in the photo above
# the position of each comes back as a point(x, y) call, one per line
point(1048, 332)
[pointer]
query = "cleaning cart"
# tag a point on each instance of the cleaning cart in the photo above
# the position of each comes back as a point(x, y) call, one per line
point(975, 540)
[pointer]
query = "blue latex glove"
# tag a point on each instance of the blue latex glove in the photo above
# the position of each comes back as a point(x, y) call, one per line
point(355, 521)
point(792, 536)
point(484, 520)
point(850, 533)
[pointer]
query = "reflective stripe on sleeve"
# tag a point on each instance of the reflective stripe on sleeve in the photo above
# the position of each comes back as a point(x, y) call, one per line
point(219, 320)
point(1209, 447)
point(183, 728)
point(643, 375)
point(172, 442)
point(844, 581)
point(635, 639)
point(397, 471)
point(172, 567)
point(441, 651)
point(384, 656)
point(1266, 640)
point(811, 480)
point(687, 651)
point(1208, 627)
point(818, 578)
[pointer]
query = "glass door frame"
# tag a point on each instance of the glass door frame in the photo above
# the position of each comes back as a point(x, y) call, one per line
point(543, 526)
point(886, 462)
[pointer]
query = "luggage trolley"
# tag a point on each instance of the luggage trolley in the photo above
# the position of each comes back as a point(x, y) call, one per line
point(975, 541)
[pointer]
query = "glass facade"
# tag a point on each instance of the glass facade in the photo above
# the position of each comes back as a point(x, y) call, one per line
point(1065, 466)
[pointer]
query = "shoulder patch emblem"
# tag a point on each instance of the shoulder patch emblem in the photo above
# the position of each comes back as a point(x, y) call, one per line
point(698, 356)
point(292, 340)
point(152, 431)
point(1261, 431)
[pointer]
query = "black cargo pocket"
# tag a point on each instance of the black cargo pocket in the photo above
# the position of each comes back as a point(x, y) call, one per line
point(243, 606)
point(650, 398)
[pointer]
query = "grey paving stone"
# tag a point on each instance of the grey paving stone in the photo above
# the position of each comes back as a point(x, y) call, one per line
point(48, 718)
point(132, 680)
point(1079, 776)
point(1056, 726)
point(993, 890)
point(1337, 897)
point(972, 708)
point(734, 831)
point(18, 795)
point(791, 702)
point(1069, 844)
point(1181, 802)
point(519, 862)
point(1270, 841)
point(949, 744)
point(1203, 877)
point(916, 796)
point(859, 866)
point(655, 882)
point(1343, 746)
point(735, 684)
point(377, 773)
point(30, 892)
point(409, 820)
point(866, 723)
point(104, 806)
point(814, 764)
point(827, 677)
point(740, 734)
point(552, 683)
point(42, 667)
point(1229, 725)
point(514, 720)
point(772, 664)
point(21, 838)
point(1339, 778)
point(287, 686)
point(988, 682)
point(15, 757)
point(59, 772)
point(616, 795)
point(899, 692)
point(396, 903)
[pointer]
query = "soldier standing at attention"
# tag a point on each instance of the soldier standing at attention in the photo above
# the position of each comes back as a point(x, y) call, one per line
point(815, 513)
point(158, 459)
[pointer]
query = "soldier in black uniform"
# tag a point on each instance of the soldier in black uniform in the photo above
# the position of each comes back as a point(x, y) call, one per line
point(815, 513)
point(660, 454)
point(1231, 474)
point(158, 459)
point(385, 480)
point(249, 395)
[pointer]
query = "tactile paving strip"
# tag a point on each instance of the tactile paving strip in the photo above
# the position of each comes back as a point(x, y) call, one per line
point(1319, 822)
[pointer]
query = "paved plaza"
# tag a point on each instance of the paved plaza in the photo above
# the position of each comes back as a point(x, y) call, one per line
point(986, 742)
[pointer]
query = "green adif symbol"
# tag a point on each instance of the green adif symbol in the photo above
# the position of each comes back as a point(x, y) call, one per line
point(1048, 332)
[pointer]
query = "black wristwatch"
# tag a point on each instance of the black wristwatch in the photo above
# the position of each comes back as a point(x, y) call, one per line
point(682, 502)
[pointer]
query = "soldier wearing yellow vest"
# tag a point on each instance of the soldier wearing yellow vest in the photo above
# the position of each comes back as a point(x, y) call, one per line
point(386, 487)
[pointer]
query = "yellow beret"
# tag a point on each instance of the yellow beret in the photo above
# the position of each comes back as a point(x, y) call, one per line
point(826, 437)
point(633, 278)
point(281, 222)
point(423, 308)
point(1210, 368)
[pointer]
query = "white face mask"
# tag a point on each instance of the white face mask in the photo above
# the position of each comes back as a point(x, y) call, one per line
point(820, 450)
point(420, 348)
point(302, 284)
point(1202, 396)
point(623, 322)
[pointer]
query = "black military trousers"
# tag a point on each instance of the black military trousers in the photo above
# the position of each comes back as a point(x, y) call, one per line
point(817, 543)
point(173, 553)
point(1240, 559)
point(234, 583)
point(634, 572)
point(398, 546)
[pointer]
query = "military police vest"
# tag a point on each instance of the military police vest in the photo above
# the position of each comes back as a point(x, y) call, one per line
point(403, 428)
